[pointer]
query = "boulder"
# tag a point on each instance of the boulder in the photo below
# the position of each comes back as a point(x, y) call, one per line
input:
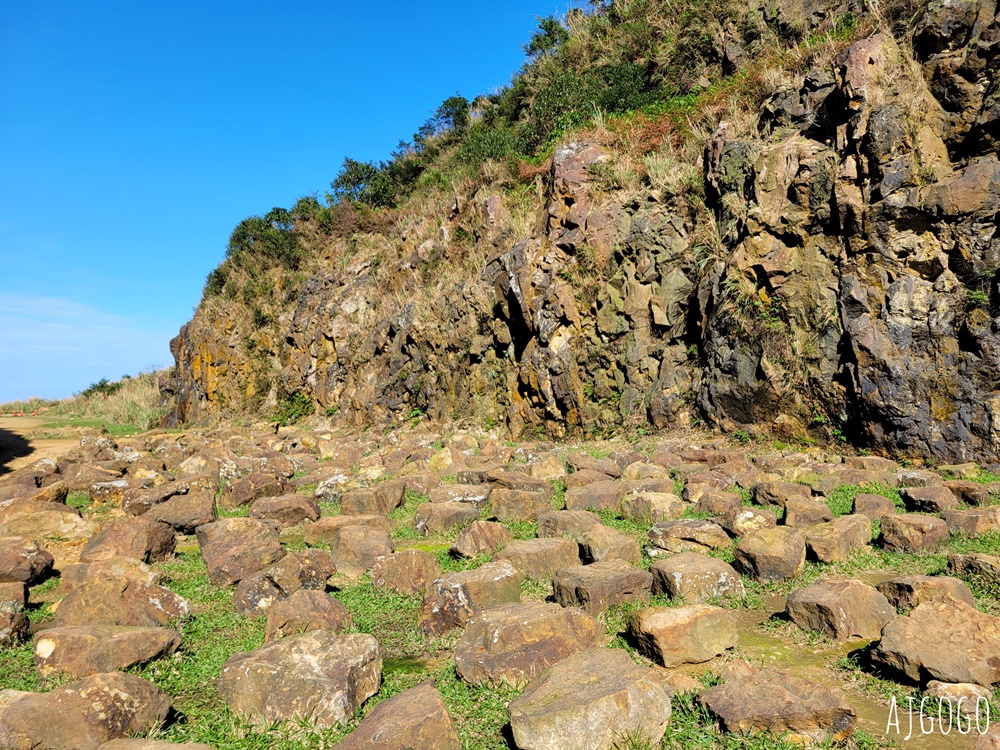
point(406, 572)
point(688, 535)
point(136, 537)
point(257, 593)
point(131, 569)
point(185, 513)
point(980, 565)
point(435, 518)
point(14, 625)
point(842, 610)
point(257, 484)
point(379, 500)
point(354, 549)
point(473, 494)
point(873, 506)
point(108, 597)
point(837, 540)
point(481, 538)
point(970, 493)
point(594, 588)
point(942, 640)
point(603, 495)
point(779, 702)
point(108, 493)
point(513, 643)
point(771, 555)
point(518, 505)
point(695, 578)
point(304, 611)
point(800, 512)
point(317, 676)
point(912, 532)
point(928, 499)
point(540, 558)
point(40, 521)
point(75, 652)
point(455, 598)
point(718, 503)
point(82, 715)
point(590, 701)
point(778, 493)
point(285, 510)
point(652, 507)
point(138, 500)
point(235, 548)
point(603, 543)
point(973, 523)
point(14, 592)
point(689, 634)
point(569, 524)
point(907, 592)
point(747, 521)
point(23, 561)
point(416, 718)
point(322, 532)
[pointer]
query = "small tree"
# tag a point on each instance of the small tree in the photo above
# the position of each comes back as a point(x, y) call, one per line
point(364, 182)
point(551, 33)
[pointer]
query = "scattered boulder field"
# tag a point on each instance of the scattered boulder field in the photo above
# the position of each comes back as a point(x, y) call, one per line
point(423, 590)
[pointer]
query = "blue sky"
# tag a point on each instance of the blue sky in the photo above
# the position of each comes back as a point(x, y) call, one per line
point(134, 136)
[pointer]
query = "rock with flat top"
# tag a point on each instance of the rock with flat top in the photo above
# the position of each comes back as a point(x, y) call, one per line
point(690, 634)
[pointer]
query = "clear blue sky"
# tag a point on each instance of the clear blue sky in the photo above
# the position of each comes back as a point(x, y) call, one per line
point(135, 135)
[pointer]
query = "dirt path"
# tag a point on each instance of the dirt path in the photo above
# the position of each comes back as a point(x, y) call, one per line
point(19, 448)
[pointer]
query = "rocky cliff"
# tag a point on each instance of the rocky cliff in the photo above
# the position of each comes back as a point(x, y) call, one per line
point(835, 277)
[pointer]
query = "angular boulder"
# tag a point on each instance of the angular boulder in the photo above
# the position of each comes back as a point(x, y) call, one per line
point(75, 652)
point(455, 598)
point(317, 676)
point(913, 532)
point(416, 718)
point(842, 610)
point(236, 548)
point(907, 592)
point(304, 611)
point(539, 559)
point(690, 634)
point(480, 538)
point(594, 588)
point(136, 537)
point(695, 578)
point(771, 555)
point(407, 572)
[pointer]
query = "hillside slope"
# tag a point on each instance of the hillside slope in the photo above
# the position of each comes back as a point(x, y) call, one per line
point(794, 230)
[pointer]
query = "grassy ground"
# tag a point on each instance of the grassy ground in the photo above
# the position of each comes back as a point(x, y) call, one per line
point(216, 631)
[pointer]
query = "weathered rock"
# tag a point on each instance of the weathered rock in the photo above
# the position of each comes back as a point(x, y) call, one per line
point(518, 505)
point(947, 641)
point(652, 507)
point(800, 513)
point(928, 499)
point(777, 701)
point(912, 532)
point(589, 701)
point(23, 561)
point(540, 558)
point(138, 500)
point(695, 578)
point(594, 588)
point(770, 555)
point(107, 597)
point(76, 652)
point(380, 500)
point(747, 521)
point(14, 592)
point(184, 513)
point(718, 503)
point(569, 524)
point(474, 494)
point(407, 572)
point(129, 568)
point(603, 543)
point(31, 521)
point(964, 697)
point(257, 593)
point(83, 715)
point(842, 610)
point(907, 592)
point(315, 675)
point(778, 493)
point(514, 643)
point(322, 532)
point(257, 484)
point(14, 625)
point(481, 538)
point(304, 611)
point(236, 548)
point(108, 493)
point(873, 506)
point(689, 634)
point(973, 523)
point(136, 537)
point(604, 495)
point(688, 535)
point(285, 510)
point(455, 598)
point(977, 564)
point(970, 493)
point(416, 718)
point(836, 540)
point(435, 518)
point(354, 549)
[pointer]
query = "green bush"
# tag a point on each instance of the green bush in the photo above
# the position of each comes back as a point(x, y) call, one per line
point(295, 408)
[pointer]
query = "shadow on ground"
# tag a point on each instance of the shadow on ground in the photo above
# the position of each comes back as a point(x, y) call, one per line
point(12, 446)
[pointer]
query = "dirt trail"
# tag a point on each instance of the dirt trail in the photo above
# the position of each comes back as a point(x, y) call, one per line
point(19, 447)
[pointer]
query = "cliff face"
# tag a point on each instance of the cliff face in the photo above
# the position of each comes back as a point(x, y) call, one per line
point(841, 281)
